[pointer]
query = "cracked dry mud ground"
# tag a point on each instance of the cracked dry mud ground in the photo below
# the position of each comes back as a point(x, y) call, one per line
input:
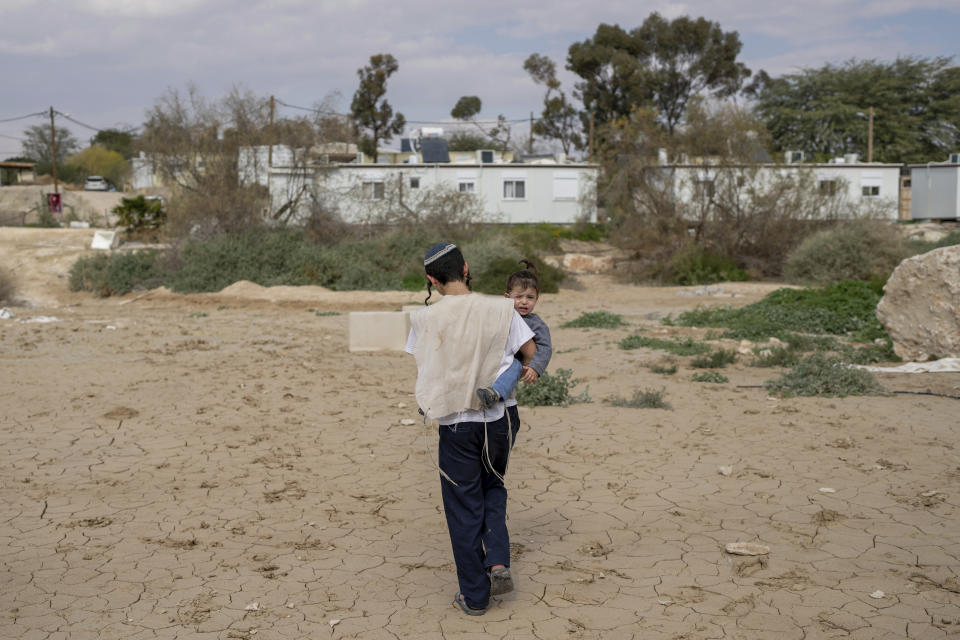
point(204, 467)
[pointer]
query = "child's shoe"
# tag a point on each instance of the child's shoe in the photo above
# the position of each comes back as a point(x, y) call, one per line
point(488, 397)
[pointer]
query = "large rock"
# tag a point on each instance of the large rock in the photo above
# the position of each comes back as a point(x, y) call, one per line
point(921, 306)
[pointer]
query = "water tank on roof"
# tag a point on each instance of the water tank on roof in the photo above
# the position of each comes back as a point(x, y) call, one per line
point(851, 158)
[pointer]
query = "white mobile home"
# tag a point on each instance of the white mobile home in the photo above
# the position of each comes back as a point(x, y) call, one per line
point(861, 187)
point(935, 190)
point(507, 192)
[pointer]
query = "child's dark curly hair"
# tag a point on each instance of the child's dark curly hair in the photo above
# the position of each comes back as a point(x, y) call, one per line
point(526, 278)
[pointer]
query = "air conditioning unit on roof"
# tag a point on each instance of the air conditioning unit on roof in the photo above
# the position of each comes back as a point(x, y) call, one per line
point(793, 157)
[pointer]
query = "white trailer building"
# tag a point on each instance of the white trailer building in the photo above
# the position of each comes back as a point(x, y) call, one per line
point(935, 190)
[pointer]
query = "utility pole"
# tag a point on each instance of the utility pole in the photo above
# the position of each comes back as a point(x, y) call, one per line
point(870, 137)
point(530, 143)
point(53, 152)
point(270, 149)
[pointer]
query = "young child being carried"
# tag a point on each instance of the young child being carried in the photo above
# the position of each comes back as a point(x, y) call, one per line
point(524, 287)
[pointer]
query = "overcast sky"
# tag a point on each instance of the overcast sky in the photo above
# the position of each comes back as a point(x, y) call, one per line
point(105, 62)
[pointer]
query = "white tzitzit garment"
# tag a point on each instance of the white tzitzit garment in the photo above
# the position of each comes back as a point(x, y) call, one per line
point(460, 343)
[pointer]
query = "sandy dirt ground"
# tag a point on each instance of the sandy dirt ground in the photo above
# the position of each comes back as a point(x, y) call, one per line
point(220, 466)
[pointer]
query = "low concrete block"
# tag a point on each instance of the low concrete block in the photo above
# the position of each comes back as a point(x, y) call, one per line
point(378, 330)
point(105, 240)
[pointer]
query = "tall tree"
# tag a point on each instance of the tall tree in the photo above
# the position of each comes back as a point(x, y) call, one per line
point(559, 118)
point(370, 110)
point(36, 146)
point(118, 140)
point(661, 64)
point(468, 108)
point(823, 111)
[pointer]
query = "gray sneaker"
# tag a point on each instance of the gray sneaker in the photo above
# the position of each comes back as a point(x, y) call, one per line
point(488, 397)
point(501, 581)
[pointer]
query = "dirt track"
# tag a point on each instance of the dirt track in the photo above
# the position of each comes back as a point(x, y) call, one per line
point(168, 462)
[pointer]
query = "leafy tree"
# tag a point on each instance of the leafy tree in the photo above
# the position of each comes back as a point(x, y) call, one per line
point(115, 140)
point(660, 64)
point(370, 109)
point(559, 119)
point(467, 141)
point(822, 111)
point(468, 108)
point(99, 161)
point(36, 146)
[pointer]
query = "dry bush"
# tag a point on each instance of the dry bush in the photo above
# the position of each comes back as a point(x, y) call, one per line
point(864, 249)
point(8, 286)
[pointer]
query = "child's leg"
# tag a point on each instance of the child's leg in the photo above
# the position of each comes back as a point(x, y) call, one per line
point(508, 379)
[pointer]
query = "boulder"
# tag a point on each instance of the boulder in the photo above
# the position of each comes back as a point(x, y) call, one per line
point(920, 307)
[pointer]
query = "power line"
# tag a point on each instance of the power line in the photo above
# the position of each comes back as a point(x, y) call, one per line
point(433, 122)
point(29, 115)
point(11, 137)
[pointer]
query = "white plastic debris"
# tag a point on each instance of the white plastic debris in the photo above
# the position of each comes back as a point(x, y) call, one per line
point(929, 494)
point(725, 470)
point(253, 606)
point(6, 314)
point(334, 622)
point(41, 319)
point(408, 422)
point(827, 490)
point(747, 549)
point(876, 595)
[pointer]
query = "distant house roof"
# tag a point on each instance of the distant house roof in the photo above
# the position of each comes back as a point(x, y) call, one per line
point(17, 165)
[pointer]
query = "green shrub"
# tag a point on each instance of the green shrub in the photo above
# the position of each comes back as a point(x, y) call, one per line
point(551, 390)
point(596, 320)
point(822, 375)
point(715, 359)
point(116, 274)
point(853, 250)
point(710, 376)
point(777, 357)
point(693, 265)
point(490, 273)
point(140, 213)
point(845, 308)
point(8, 286)
point(802, 342)
point(665, 369)
point(685, 347)
point(647, 399)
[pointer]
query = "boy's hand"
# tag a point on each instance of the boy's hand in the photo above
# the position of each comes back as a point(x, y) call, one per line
point(529, 375)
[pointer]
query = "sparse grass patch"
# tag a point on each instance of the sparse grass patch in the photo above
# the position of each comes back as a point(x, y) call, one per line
point(820, 374)
point(552, 390)
point(646, 399)
point(776, 357)
point(685, 347)
point(710, 376)
point(596, 320)
point(664, 369)
point(326, 313)
point(715, 359)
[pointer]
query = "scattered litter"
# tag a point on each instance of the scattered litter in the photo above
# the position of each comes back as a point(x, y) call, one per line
point(725, 470)
point(253, 606)
point(408, 422)
point(929, 494)
point(401, 405)
point(289, 605)
point(6, 314)
point(665, 602)
point(934, 366)
point(41, 319)
point(110, 326)
point(334, 622)
point(747, 549)
point(876, 595)
point(827, 490)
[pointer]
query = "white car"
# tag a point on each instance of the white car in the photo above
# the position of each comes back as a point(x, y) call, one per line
point(96, 183)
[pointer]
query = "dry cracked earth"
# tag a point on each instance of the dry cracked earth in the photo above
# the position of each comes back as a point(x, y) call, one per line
point(195, 467)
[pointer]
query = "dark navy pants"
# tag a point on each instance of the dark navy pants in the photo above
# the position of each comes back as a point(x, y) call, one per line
point(476, 507)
